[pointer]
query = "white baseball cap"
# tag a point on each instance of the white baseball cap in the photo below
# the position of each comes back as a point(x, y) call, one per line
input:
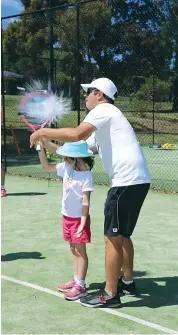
point(104, 85)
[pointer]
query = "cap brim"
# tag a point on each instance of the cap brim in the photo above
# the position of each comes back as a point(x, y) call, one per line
point(86, 86)
point(64, 153)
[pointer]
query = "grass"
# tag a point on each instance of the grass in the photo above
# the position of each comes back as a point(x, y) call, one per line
point(133, 104)
point(163, 166)
point(161, 129)
point(137, 110)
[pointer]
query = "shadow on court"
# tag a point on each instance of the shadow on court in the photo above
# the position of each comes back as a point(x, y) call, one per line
point(101, 286)
point(24, 194)
point(152, 292)
point(156, 292)
point(21, 255)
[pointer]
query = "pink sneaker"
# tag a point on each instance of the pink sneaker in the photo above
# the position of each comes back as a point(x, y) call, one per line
point(3, 192)
point(76, 292)
point(67, 286)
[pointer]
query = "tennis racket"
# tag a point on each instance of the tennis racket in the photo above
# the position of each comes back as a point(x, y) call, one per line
point(41, 108)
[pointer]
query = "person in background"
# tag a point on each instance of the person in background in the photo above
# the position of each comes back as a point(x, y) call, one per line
point(3, 174)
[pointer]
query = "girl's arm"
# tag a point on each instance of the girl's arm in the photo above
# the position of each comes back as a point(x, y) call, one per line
point(85, 212)
point(50, 146)
point(44, 162)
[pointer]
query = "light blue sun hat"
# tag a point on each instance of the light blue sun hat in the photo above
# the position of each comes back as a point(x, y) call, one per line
point(75, 149)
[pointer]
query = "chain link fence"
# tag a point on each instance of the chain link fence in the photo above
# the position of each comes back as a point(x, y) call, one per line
point(133, 43)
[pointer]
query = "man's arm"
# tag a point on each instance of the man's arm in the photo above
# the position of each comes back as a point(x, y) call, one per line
point(82, 132)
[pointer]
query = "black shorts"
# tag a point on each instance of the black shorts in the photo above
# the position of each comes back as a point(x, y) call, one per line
point(122, 208)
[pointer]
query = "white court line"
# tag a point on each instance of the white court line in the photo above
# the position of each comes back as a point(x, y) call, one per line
point(106, 310)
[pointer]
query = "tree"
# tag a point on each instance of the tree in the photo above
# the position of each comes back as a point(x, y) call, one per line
point(96, 49)
point(122, 39)
point(20, 42)
point(142, 48)
point(39, 4)
point(154, 88)
point(172, 32)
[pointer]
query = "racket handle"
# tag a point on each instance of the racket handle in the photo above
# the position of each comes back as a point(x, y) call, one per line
point(38, 147)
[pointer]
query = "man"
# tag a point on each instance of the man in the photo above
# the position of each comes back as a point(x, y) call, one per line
point(126, 166)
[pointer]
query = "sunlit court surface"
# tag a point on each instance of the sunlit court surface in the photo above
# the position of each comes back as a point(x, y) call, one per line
point(35, 259)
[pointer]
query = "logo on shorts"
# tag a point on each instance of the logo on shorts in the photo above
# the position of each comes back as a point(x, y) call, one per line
point(114, 230)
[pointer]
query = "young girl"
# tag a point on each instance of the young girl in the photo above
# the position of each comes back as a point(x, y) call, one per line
point(77, 186)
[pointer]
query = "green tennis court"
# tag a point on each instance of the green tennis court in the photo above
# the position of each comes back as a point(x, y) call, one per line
point(35, 259)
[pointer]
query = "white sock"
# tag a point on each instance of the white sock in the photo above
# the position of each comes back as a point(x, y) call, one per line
point(80, 282)
point(2, 187)
point(111, 295)
point(127, 282)
point(75, 277)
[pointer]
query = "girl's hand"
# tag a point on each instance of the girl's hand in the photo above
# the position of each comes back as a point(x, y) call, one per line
point(36, 136)
point(79, 231)
point(38, 146)
point(44, 142)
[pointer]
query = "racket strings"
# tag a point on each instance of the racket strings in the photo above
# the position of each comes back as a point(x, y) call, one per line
point(42, 108)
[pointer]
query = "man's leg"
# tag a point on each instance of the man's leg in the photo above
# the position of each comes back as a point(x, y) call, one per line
point(113, 255)
point(128, 256)
point(126, 284)
point(113, 262)
point(135, 197)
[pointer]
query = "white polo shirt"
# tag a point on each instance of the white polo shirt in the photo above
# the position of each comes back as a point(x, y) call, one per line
point(119, 149)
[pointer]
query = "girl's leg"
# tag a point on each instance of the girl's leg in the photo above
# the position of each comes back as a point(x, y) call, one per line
point(75, 259)
point(82, 260)
point(68, 285)
point(81, 266)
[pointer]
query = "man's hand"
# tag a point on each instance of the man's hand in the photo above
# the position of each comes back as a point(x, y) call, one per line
point(36, 136)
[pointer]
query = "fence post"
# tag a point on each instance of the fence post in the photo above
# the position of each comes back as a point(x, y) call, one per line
point(3, 118)
point(51, 40)
point(153, 140)
point(55, 71)
point(78, 64)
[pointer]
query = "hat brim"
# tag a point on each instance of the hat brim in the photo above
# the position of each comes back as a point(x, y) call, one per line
point(86, 86)
point(65, 153)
